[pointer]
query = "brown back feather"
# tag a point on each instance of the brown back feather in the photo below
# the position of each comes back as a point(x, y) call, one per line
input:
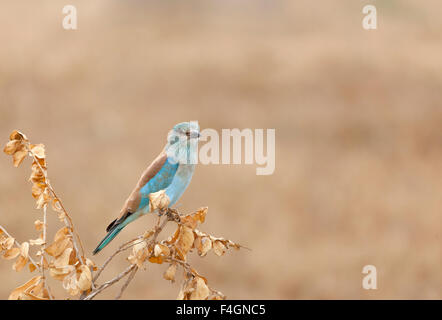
point(132, 203)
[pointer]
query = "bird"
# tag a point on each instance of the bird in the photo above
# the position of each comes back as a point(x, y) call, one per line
point(171, 171)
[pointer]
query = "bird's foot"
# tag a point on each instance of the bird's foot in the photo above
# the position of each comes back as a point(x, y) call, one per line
point(173, 215)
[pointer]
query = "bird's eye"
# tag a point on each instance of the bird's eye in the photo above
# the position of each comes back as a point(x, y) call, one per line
point(188, 133)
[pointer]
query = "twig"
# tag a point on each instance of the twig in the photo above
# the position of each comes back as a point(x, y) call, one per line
point(19, 245)
point(67, 219)
point(159, 229)
point(122, 248)
point(39, 268)
point(132, 268)
point(183, 264)
point(129, 279)
point(193, 272)
point(128, 245)
point(43, 246)
point(110, 282)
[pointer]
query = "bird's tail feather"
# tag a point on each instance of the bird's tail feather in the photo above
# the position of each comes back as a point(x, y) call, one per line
point(112, 233)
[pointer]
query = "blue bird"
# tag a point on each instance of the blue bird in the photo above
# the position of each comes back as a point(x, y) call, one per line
point(171, 171)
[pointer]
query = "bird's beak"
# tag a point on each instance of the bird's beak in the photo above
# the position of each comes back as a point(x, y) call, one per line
point(194, 134)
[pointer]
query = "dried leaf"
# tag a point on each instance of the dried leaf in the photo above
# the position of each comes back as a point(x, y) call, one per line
point(161, 249)
point(158, 260)
point(174, 238)
point(17, 135)
point(195, 273)
point(37, 189)
point(37, 292)
point(43, 199)
point(36, 242)
point(63, 259)
point(61, 273)
point(37, 175)
point(170, 273)
point(56, 206)
point(185, 241)
point(37, 289)
point(139, 254)
point(203, 245)
point(61, 242)
point(158, 201)
point(61, 216)
point(19, 156)
point(24, 249)
point(15, 294)
point(91, 264)
point(70, 284)
point(38, 150)
point(186, 289)
point(38, 225)
point(11, 253)
point(192, 220)
point(33, 297)
point(201, 291)
point(20, 263)
point(181, 295)
point(227, 243)
point(8, 243)
point(32, 267)
point(201, 214)
point(12, 146)
point(219, 248)
point(58, 247)
point(85, 279)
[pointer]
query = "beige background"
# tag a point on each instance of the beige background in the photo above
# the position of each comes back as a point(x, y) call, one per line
point(357, 114)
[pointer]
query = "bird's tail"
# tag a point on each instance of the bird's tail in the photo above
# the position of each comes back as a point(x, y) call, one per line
point(113, 229)
point(108, 238)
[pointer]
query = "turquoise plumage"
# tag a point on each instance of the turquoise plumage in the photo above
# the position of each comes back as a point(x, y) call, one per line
point(171, 171)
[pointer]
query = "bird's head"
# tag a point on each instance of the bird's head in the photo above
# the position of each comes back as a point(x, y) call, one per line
point(182, 142)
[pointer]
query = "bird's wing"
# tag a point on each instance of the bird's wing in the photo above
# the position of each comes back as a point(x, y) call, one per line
point(156, 177)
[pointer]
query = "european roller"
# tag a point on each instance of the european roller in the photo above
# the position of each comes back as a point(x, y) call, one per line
point(171, 171)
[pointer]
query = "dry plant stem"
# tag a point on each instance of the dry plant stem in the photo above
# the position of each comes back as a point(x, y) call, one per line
point(43, 247)
point(39, 268)
point(71, 227)
point(189, 269)
point(158, 229)
point(111, 282)
point(19, 245)
point(132, 268)
point(122, 248)
point(67, 220)
point(128, 280)
point(183, 264)
point(126, 246)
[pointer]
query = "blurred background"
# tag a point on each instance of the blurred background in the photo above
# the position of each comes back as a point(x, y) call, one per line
point(358, 121)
